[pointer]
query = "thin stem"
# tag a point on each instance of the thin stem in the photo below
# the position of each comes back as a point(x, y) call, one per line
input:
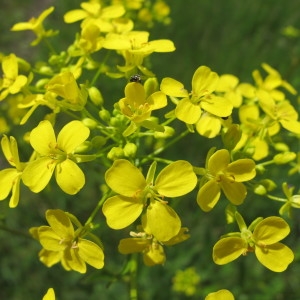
point(133, 292)
point(15, 232)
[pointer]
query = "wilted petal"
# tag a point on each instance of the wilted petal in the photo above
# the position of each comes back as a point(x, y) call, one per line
point(208, 195)
point(176, 179)
point(228, 249)
point(69, 177)
point(124, 178)
point(275, 257)
point(121, 211)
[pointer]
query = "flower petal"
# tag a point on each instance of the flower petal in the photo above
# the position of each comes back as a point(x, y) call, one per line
point(60, 223)
point(73, 261)
point(187, 112)
point(218, 106)
point(50, 240)
point(176, 179)
point(72, 135)
point(173, 88)
point(275, 257)
point(218, 161)
point(228, 249)
point(121, 211)
point(204, 81)
point(271, 230)
point(208, 195)
point(161, 221)
point(235, 192)
point(91, 253)
point(69, 177)
point(133, 245)
point(124, 178)
point(242, 169)
point(37, 174)
point(42, 138)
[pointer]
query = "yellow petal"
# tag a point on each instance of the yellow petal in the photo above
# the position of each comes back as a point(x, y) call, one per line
point(73, 261)
point(187, 112)
point(72, 135)
point(220, 295)
point(91, 253)
point(208, 125)
point(69, 177)
point(50, 258)
point(204, 81)
point(75, 15)
point(173, 88)
point(275, 257)
point(38, 173)
point(242, 169)
point(218, 161)
point(50, 240)
point(133, 245)
point(42, 138)
point(124, 178)
point(162, 45)
point(271, 230)
point(121, 211)
point(217, 106)
point(155, 256)
point(7, 177)
point(228, 249)
point(50, 295)
point(161, 221)
point(208, 195)
point(235, 192)
point(60, 223)
point(176, 179)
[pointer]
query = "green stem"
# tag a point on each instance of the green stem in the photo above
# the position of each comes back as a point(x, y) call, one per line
point(276, 198)
point(15, 232)
point(133, 292)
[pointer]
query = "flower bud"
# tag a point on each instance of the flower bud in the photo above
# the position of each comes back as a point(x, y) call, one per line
point(90, 123)
point(104, 115)
point(130, 150)
point(95, 96)
point(168, 132)
point(115, 153)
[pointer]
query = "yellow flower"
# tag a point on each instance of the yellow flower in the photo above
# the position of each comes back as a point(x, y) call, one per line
point(36, 25)
point(12, 82)
point(135, 192)
point(65, 86)
point(272, 81)
point(134, 47)
point(10, 178)
point(152, 249)
point(202, 97)
point(94, 13)
point(221, 175)
point(50, 295)
point(261, 237)
point(220, 295)
point(62, 243)
point(56, 154)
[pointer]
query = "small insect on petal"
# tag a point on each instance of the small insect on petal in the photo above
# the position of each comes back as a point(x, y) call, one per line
point(136, 78)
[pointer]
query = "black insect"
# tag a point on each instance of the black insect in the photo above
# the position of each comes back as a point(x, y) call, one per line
point(136, 78)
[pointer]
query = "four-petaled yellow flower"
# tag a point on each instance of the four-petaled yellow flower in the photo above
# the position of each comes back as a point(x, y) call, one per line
point(36, 25)
point(202, 97)
point(10, 178)
point(56, 154)
point(61, 243)
point(135, 193)
point(152, 249)
point(261, 237)
point(227, 177)
point(12, 82)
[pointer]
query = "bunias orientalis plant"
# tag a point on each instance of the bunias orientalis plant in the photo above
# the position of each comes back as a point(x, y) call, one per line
point(75, 128)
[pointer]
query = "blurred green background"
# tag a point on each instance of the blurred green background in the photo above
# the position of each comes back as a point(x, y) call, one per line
point(231, 36)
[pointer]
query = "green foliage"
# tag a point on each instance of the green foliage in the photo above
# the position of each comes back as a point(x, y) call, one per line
point(142, 166)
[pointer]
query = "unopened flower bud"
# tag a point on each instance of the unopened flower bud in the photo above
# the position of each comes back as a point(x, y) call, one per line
point(115, 153)
point(130, 150)
point(95, 96)
point(90, 123)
